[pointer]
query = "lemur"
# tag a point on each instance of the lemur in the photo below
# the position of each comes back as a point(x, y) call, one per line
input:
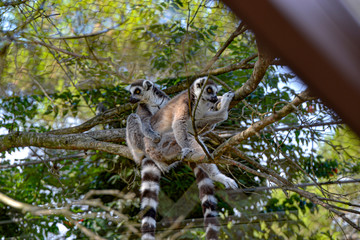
point(174, 123)
point(176, 114)
point(150, 99)
point(141, 91)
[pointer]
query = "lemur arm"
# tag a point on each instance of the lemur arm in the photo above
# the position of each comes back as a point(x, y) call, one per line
point(146, 128)
point(212, 117)
point(180, 127)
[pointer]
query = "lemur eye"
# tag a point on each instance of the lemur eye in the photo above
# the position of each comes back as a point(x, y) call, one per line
point(209, 90)
point(137, 91)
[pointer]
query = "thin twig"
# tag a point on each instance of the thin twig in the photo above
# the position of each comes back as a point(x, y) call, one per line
point(86, 35)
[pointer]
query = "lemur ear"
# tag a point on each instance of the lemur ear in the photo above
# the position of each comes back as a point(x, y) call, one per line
point(147, 85)
point(127, 88)
point(200, 82)
point(219, 87)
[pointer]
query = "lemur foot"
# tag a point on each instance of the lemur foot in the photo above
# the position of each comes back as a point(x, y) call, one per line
point(228, 182)
point(231, 184)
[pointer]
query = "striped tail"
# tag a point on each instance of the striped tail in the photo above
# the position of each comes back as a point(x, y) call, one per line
point(150, 186)
point(208, 202)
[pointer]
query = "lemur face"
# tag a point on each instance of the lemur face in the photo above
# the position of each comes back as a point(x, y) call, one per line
point(140, 91)
point(209, 91)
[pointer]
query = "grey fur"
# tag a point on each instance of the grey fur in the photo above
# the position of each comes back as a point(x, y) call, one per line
point(174, 123)
point(150, 99)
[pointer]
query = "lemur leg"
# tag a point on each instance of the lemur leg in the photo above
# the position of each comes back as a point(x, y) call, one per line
point(168, 149)
point(134, 137)
point(217, 176)
point(212, 170)
point(149, 132)
point(208, 201)
point(150, 187)
point(180, 131)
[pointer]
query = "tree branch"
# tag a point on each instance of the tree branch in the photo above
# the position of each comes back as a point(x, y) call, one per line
point(230, 133)
point(302, 185)
point(70, 141)
point(12, 3)
point(86, 35)
point(58, 159)
point(239, 30)
point(315, 199)
point(256, 127)
point(39, 211)
point(76, 55)
point(257, 75)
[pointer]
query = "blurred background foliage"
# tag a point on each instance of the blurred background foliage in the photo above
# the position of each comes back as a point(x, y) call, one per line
point(60, 59)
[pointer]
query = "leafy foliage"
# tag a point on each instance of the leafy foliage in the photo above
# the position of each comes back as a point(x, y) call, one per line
point(61, 60)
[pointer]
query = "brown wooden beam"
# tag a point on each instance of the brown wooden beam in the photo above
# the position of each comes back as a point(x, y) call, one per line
point(319, 40)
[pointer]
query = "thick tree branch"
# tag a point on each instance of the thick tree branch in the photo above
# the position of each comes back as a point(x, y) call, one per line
point(69, 141)
point(257, 75)
point(95, 140)
point(98, 119)
point(256, 127)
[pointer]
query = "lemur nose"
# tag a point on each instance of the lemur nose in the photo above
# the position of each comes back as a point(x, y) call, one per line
point(213, 99)
point(133, 100)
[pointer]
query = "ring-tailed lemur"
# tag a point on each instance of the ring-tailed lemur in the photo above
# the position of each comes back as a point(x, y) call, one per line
point(174, 122)
point(176, 113)
point(141, 91)
point(150, 100)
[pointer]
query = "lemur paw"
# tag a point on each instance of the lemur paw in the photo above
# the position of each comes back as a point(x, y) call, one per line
point(185, 152)
point(228, 96)
point(228, 182)
point(133, 117)
point(156, 138)
point(226, 99)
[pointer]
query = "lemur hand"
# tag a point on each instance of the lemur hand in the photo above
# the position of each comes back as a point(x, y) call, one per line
point(154, 136)
point(185, 152)
point(227, 97)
